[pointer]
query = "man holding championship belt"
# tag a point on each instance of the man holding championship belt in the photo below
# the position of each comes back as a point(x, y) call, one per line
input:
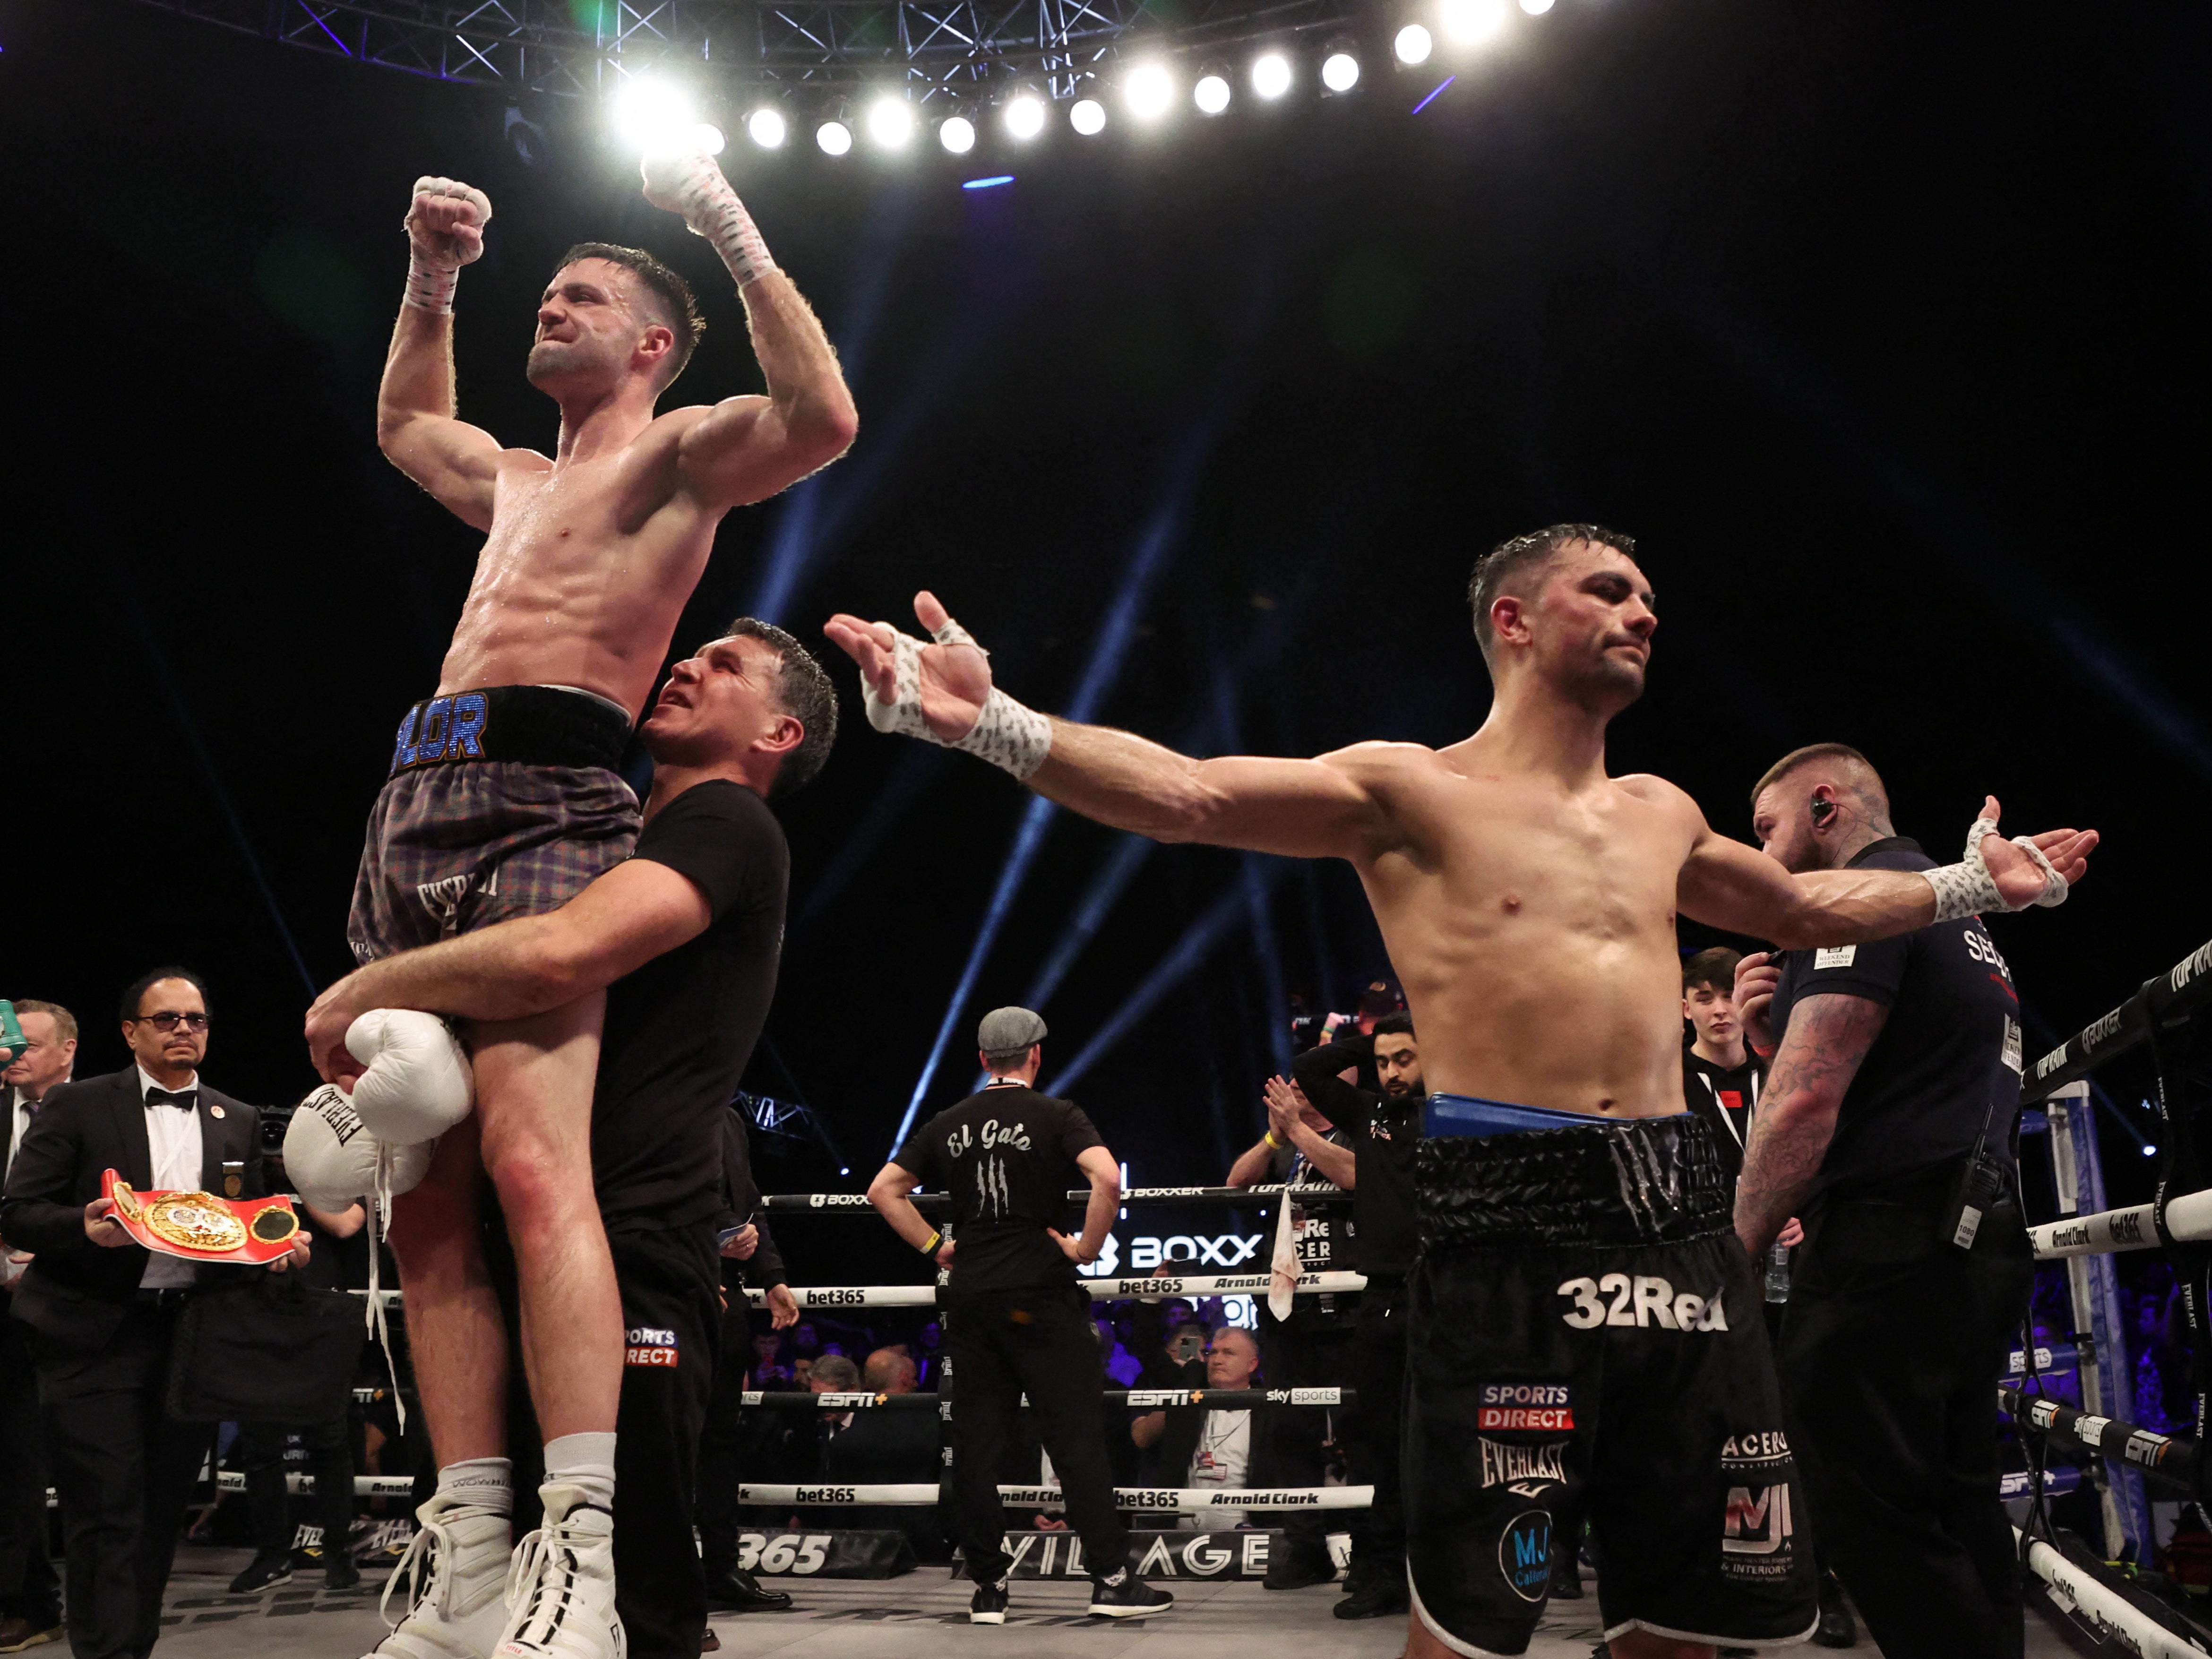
point(102, 1306)
point(503, 800)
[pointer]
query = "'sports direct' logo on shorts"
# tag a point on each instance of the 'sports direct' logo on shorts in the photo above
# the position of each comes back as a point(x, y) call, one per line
point(1524, 1554)
point(648, 1345)
point(1547, 1407)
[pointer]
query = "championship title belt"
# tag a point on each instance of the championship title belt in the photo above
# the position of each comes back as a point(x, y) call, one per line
point(201, 1227)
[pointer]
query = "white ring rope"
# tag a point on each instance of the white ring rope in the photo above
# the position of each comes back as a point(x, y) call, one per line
point(2188, 1220)
point(1180, 1500)
point(2104, 1610)
point(1102, 1290)
point(1314, 1192)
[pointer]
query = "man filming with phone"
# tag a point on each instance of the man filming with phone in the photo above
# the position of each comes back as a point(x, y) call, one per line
point(1887, 1125)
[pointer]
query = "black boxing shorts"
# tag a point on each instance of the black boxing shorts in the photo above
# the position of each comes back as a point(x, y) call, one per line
point(1584, 1324)
point(502, 802)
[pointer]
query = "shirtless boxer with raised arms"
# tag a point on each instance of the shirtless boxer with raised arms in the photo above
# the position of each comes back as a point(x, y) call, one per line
point(503, 801)
point(1579, 1295)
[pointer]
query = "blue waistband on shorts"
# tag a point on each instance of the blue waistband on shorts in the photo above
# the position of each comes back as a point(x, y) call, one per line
point(1468, 1115)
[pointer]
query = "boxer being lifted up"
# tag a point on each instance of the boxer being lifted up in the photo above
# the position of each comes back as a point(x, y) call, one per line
point(503, 800)
point(1581, 1314)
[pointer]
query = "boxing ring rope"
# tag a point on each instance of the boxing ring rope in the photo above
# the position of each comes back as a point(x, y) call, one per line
point(937, 1203)
point(1102, 1290)
point(2086, 1235)
point(1137, 1398)
point(1158, 1500)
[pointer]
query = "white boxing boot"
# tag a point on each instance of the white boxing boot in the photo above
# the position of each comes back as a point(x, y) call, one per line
point(561, 1588)
point(456, 1570)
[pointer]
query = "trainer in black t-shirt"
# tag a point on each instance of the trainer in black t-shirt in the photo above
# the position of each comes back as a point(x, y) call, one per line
point(1924, 1089)
point(1386, 1139)
point(680, 1030)
point(1007, 1156)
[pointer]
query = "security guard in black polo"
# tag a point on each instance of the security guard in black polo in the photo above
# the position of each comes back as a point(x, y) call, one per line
point(1887, 1127)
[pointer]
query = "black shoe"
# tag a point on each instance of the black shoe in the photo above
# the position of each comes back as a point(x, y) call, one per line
point(1299, 1568)
point(988, 1604)
point(1566, 1578)
point(17, 1633)
point(1836, 1628)
point(341, 1574)
point(1378, 1598)
point(738, 1591)
point(708, 1642)
point(266, 1572)
point(1132, 1598)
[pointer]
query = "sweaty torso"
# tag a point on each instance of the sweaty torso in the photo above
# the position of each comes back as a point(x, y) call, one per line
point(1532, 929)
point(587, 566)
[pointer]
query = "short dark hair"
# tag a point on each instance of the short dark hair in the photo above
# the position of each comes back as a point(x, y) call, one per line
point(64, 1022)
point(1505, 563)
point(809, 695)
point(1714, 969)
point(1395, 1025)
point(134, 993)
point(670, 294)
point(1877, 806)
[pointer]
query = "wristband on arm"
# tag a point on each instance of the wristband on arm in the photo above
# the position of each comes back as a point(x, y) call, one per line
point(936, 1238)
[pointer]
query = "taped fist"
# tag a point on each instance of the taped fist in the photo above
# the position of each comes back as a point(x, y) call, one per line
point(446, 224)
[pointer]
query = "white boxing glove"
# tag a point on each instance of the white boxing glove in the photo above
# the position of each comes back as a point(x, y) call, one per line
point(418, 1083)
point(332, 1159)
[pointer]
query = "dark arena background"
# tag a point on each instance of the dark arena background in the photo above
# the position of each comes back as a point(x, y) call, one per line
point(1880, 326)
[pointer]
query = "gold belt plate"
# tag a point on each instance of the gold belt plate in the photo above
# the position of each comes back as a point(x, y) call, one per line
point(195, 1221)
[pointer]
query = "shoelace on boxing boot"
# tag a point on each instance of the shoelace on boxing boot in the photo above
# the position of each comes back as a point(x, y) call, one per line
point(546, 1562)
point(429, 1549)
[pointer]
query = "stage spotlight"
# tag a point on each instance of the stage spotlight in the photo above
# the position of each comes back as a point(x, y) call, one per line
point(1340, 71)
point(1087, 115)
point(1149, 91)
point(1271, 74)
point(1469, 22)
point(766, 128)
point(1211, 95)
point(1535, 8)
point(653, 117)
point(1026, 115)
point(890, 121)
point(835, 138)
point(708, 137)
point(956, 133)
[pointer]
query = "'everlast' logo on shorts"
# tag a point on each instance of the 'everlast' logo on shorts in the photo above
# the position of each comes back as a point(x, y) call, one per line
point(1505, 1465)
point(649, 1345)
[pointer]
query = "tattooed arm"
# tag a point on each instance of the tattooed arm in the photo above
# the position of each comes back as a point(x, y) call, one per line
point(1828, 1037)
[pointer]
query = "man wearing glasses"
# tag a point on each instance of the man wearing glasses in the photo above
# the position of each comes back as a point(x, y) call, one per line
point(101, 1309)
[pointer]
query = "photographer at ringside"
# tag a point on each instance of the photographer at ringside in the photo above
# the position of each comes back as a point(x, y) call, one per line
point(1385, 1124)
point(1889, 1127)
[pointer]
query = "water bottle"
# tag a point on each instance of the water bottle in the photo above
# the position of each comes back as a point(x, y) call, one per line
point(1777, 1273)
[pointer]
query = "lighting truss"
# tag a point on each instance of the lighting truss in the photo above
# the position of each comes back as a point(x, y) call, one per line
point(586, 48)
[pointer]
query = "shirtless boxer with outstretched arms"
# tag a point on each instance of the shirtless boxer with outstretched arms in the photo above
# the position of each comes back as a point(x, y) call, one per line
point(503, 801)
point(1583, 1316)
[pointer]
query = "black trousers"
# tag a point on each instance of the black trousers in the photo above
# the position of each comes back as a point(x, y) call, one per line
point(670, 1283)
point(1378, 1439)
point(124, 1474)
point(269, 1505)
point(722, 1443)
point(1313, 1348)
point(1890, 1350)
point(1004, 1344)
point(28, 1587)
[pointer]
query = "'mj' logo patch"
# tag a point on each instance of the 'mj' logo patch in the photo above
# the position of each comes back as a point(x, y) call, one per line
point(1524, 1554)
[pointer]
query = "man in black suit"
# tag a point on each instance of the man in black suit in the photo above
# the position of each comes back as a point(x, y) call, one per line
point(102, 1309)
point(30, 1595)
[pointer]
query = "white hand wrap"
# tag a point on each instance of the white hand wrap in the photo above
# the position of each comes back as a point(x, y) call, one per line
point(434, 271)
point(1967, 889)
point(712, 210)
point(1011, 736)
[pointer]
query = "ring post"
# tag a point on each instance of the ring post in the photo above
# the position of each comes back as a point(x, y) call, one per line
point(2104, 1367)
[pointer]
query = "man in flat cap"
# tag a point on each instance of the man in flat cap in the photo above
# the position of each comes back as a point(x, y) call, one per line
point(1017, 1321)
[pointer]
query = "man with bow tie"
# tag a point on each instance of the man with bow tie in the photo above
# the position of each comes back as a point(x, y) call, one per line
point(101, 1309)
